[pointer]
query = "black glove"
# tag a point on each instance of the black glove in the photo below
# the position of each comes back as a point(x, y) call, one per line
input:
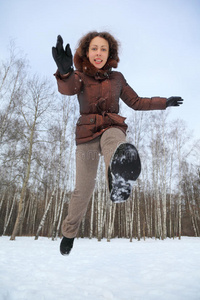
point(174, 101)
point(63, 58)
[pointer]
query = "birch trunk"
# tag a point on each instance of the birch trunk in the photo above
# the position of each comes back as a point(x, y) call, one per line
point(92, 216)
point(57, 207)
point(10, 213)
point(61, 213)
point(19, 219)
point(164, 183)
point(132, 217)
point(128, 218)
point(2, 199)
point(42, 222)
point(101, 199)
point(138, 213)
point(192, 216)
point(112, 209)
point(179, 188)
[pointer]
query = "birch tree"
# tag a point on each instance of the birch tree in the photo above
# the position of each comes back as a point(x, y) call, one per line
point(31, 109)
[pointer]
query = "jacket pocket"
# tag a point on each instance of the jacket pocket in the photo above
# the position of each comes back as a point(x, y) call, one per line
point(86, 126)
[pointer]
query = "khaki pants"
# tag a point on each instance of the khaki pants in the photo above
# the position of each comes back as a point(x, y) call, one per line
point(87, 159)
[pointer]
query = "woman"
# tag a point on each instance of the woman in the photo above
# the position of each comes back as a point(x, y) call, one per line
point(99, 130)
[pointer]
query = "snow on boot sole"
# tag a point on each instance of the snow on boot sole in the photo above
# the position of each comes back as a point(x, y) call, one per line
point(124, 169)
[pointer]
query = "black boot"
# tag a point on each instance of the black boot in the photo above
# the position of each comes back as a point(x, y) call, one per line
point(124, 169)
point(66, 245)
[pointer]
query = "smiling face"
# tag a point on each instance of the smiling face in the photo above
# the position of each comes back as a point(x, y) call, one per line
point(98, 52)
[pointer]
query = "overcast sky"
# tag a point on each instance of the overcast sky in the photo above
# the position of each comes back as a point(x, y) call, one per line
point(160, 41)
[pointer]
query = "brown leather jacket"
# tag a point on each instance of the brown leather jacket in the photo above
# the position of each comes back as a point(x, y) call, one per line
point(98, 97)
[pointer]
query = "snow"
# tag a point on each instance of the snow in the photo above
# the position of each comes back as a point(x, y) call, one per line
point(119, 270)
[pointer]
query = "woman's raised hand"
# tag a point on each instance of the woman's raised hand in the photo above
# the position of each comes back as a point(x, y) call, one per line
point(63, 58)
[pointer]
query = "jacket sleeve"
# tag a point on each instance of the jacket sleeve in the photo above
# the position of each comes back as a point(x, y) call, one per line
point(130, 97)
point(69, 84)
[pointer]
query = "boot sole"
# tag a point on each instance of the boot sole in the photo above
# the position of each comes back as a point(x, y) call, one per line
point(124, 169)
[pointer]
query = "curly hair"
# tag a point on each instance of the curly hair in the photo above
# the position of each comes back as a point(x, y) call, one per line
point(84, 43)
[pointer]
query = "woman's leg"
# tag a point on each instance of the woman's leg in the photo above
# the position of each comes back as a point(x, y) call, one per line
point(125, 166)
point(87, 158)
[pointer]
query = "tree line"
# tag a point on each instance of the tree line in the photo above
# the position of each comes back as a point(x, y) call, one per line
point(37, 166)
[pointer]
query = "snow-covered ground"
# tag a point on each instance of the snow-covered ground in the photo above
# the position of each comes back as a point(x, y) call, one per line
point(119, 270)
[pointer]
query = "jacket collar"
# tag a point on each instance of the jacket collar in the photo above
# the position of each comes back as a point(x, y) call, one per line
point(82, 64)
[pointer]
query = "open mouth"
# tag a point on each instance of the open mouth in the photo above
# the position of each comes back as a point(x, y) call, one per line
point(98, 61)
